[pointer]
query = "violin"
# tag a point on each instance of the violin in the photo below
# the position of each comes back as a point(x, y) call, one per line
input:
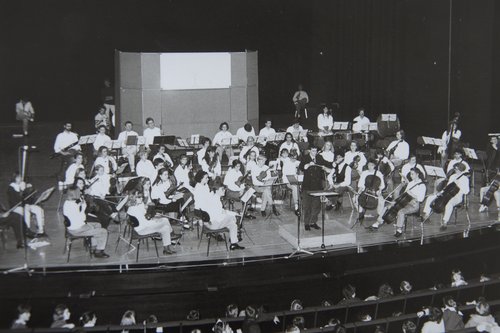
point(243, 178)
point(262, 175)
point(491, 190)
point(355, 162)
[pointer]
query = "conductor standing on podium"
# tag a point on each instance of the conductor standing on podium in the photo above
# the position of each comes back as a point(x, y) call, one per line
point(312, 166)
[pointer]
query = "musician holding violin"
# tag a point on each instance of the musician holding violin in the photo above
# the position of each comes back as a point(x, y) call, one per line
point(452, 195)
point(235, 180)
point(73, 169)
point(407, 203)
point(211, 164)
point(289, 144)
point(183, 172)
point(247, 149)
point(398, 150)
point(105, 160)
point(145, 167)
point(163, 192)
point(66, 146)
point(370, 186)
point(339, 179)
point(352, 153)
point(261, 173)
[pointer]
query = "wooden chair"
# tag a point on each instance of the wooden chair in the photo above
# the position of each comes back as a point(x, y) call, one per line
point(132, 223)
point(69, 238)
point(211, 233)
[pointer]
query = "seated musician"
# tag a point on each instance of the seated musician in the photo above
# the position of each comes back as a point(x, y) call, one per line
point(100, 184)
point(168, 203)
point(416, 189)
point(104, 159)
point(325, 119)
point(457, 158)
point(210, 202)
point(289, 167)
point(145, 167)
point(246, 149)
point(211, 164)
point(137, 208)
point(200, 154)
point(289, 144)
point(102, 119)
point(101, 138)
point(296, 128)
point(313, 181)
point(67, 146)
point(243, 133)
point(163, 155)
point(328, 153)
point(496, 194)
point(73, 169)
point(182, 172)
point(16, 192)
point(398, 150)
point(223, 134)
point(367, 185)
point(461, 179)
point(339, 179)
point(267, 130)
point(351, 154)
point(406, 175)
point(300, 100)
point(386, 167)
point(251, 161)
point(233, 180)
point(150, 132)
point(128, 150)
point(361, 122)
point(493, 156)
point(261, 173)
point(74, 209)
point(450, 140)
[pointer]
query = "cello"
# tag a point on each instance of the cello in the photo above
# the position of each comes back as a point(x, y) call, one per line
point(402, 201)
point(368, 199)
point(452, 189)
point(491, 190)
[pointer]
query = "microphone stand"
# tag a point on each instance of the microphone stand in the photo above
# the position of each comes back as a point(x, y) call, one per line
point(22, 169)
point(298, 249)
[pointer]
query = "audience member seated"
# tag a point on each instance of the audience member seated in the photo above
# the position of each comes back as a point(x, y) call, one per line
point(457, 279)
point(482, 315)
point(23, 316)
point(452, 317)
point(60, 317)
point(405, 287)
point(74, 210)
point(296, 305)
point(409, 327)
point(435, 323)
point(128, 319)
point(349, 293)
point(88, 319)
point(147, 224)
point(232, 311)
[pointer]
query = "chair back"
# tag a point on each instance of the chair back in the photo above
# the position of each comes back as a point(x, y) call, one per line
point(133, 221)
point(67, 221)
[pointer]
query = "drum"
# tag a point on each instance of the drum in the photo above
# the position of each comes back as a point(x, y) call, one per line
point(387, 127)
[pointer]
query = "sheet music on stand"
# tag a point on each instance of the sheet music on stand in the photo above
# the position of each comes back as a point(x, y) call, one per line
point(45, 195)
point(435, 171)
point(432, 141)
point(116, 144)
point(389, 117)
point(182, 142)
point(83, 140)
point(280, 136)
point(373, 127)
point(195, 139)
point(340, 125)
point(247, 195)
point(470, 153)
point(269, 181)
point(132, 140)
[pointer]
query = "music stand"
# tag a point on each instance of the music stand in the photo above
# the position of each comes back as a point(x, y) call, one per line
point(45, 195)
point(121, 204)
point(245, 198)
point(164, 140)
point(322, 195)
point(294, 181)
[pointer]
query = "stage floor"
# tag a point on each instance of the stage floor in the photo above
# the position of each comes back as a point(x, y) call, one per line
point(267, 243)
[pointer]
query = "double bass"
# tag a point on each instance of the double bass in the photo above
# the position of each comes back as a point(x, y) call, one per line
point(491, 190)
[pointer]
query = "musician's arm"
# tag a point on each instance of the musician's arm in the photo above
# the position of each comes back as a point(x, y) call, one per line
point(57, 144)
point(347, 179)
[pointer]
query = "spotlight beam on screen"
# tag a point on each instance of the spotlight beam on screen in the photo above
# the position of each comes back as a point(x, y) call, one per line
point(188, 71)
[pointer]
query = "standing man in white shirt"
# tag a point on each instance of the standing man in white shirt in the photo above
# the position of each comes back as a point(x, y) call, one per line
point(66, 145)
point(151, 131)
point(128, 150)
point(300, 99)
point(25, 113)
point(361, 122)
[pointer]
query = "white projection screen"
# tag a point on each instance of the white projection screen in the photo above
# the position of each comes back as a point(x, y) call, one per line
point(191, 71)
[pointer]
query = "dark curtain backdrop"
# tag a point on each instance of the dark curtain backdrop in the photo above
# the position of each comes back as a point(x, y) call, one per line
point(388, 56)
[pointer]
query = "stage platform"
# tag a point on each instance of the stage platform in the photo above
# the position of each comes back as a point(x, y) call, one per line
point(271, 238)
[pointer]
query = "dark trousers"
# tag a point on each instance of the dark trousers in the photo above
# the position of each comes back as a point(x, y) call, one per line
point(13, 221)
point(311, 206)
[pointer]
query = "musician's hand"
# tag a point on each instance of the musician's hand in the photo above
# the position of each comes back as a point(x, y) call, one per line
point(4, 215)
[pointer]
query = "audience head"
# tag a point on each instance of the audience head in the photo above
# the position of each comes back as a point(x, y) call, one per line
point(456, 274)
point(193, 315)
point(435, 314)
point(300, 322)
point(24, 312)
point(151, 319)
point(88, 319)
point(482, 308)
point(385, 290)
point(296, 305)
point(232, 311)
point(405, 287)
point(292, 329)
point(409, 327)
point(128, 318)
point(349, 291)
point(61, 311)
point(449, 301)
point(251, 312)
point(363, 316)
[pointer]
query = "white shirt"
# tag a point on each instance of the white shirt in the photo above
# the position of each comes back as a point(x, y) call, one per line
point(366, 173)
point(101, 140)
point(402, 151)
point(182, 175)
point(349, 158)
point(289, 168)
point(295, 131)
point(221, 135)
point(70, 174)
point(243, 135)
point(328, 156)
point(453, 162)
point(212, 204)
point(250, 165)
point(462, 182)
point(289, 146)
point(139, 212)
point(347, 178)
point(122, 137)
point(360, 124)
point(165, 157)
point(266, 131)
point(200, 192)
point(150, 133)
point(64, 139)
point(245, 150)
point(231, 178)
point(101, 187)
point(200, 154)
point(158, 192)
point(417, 190)
point(325, 121)
point(27, 107)
point(146, 169)
point(75, 212)
point(300, 94)
point(217, 171)
point(106, 162)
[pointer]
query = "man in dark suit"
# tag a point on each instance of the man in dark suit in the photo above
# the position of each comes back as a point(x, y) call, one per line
point(312, 165)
